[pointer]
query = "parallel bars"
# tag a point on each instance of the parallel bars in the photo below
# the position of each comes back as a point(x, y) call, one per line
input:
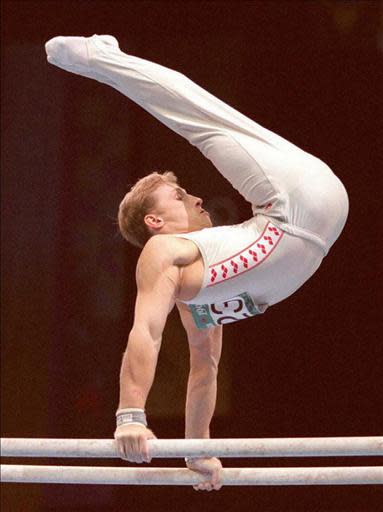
point(277, 447)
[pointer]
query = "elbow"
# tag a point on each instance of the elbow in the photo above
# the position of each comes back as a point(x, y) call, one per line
point(144, 333)
point(206, 354)
point(202, 379)
point(204, 366)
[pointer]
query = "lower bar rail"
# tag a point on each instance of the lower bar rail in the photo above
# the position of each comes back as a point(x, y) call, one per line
point(182, 476)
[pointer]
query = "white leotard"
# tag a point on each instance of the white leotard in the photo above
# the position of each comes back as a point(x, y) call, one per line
point(255, 262)
point(305, 203)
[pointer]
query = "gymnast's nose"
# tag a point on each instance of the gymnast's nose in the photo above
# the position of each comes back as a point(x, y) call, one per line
point(198, 201)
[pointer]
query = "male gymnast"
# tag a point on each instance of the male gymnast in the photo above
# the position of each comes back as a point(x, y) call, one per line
point(214, 275)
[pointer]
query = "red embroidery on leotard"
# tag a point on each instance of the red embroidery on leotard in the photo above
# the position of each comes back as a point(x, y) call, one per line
point(254, 255)
point(247, 258)
point(244, 261)
point(274, 230)
point(262, 247)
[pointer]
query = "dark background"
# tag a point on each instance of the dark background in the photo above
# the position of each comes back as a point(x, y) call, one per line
point(311, 366)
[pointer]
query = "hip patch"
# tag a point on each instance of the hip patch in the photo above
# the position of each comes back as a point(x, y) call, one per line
point(231, 310)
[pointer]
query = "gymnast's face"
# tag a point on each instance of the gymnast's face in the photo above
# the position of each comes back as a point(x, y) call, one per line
point(176, 211)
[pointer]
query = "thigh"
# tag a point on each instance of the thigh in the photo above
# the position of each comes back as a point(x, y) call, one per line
point(320, 205)
point(264, 175)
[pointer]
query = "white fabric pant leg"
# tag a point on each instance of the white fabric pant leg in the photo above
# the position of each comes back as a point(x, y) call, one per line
point(276, 177)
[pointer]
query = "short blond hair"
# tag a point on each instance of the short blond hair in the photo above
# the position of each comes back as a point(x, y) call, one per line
point(137, 203)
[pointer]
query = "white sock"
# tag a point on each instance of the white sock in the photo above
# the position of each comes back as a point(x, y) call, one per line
point(71, 52)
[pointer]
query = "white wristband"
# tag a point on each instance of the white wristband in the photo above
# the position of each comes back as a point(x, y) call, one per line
point(131, 415)
point(131, 423)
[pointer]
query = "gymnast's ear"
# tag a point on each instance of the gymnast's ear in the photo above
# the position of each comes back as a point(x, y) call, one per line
point(153, 221)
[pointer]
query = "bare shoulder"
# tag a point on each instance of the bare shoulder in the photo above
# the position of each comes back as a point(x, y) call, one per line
point(169, 250)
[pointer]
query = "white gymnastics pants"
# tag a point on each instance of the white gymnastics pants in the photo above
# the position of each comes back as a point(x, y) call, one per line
point(296, 190)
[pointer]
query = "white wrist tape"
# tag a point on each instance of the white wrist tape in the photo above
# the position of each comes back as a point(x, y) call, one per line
point(131, 416)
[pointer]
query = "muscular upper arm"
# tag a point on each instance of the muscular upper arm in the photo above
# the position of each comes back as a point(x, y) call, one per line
point(205, 344)
point(157, 281)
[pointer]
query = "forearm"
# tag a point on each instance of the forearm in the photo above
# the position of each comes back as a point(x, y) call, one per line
point(200, 402)
point(137, 369)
